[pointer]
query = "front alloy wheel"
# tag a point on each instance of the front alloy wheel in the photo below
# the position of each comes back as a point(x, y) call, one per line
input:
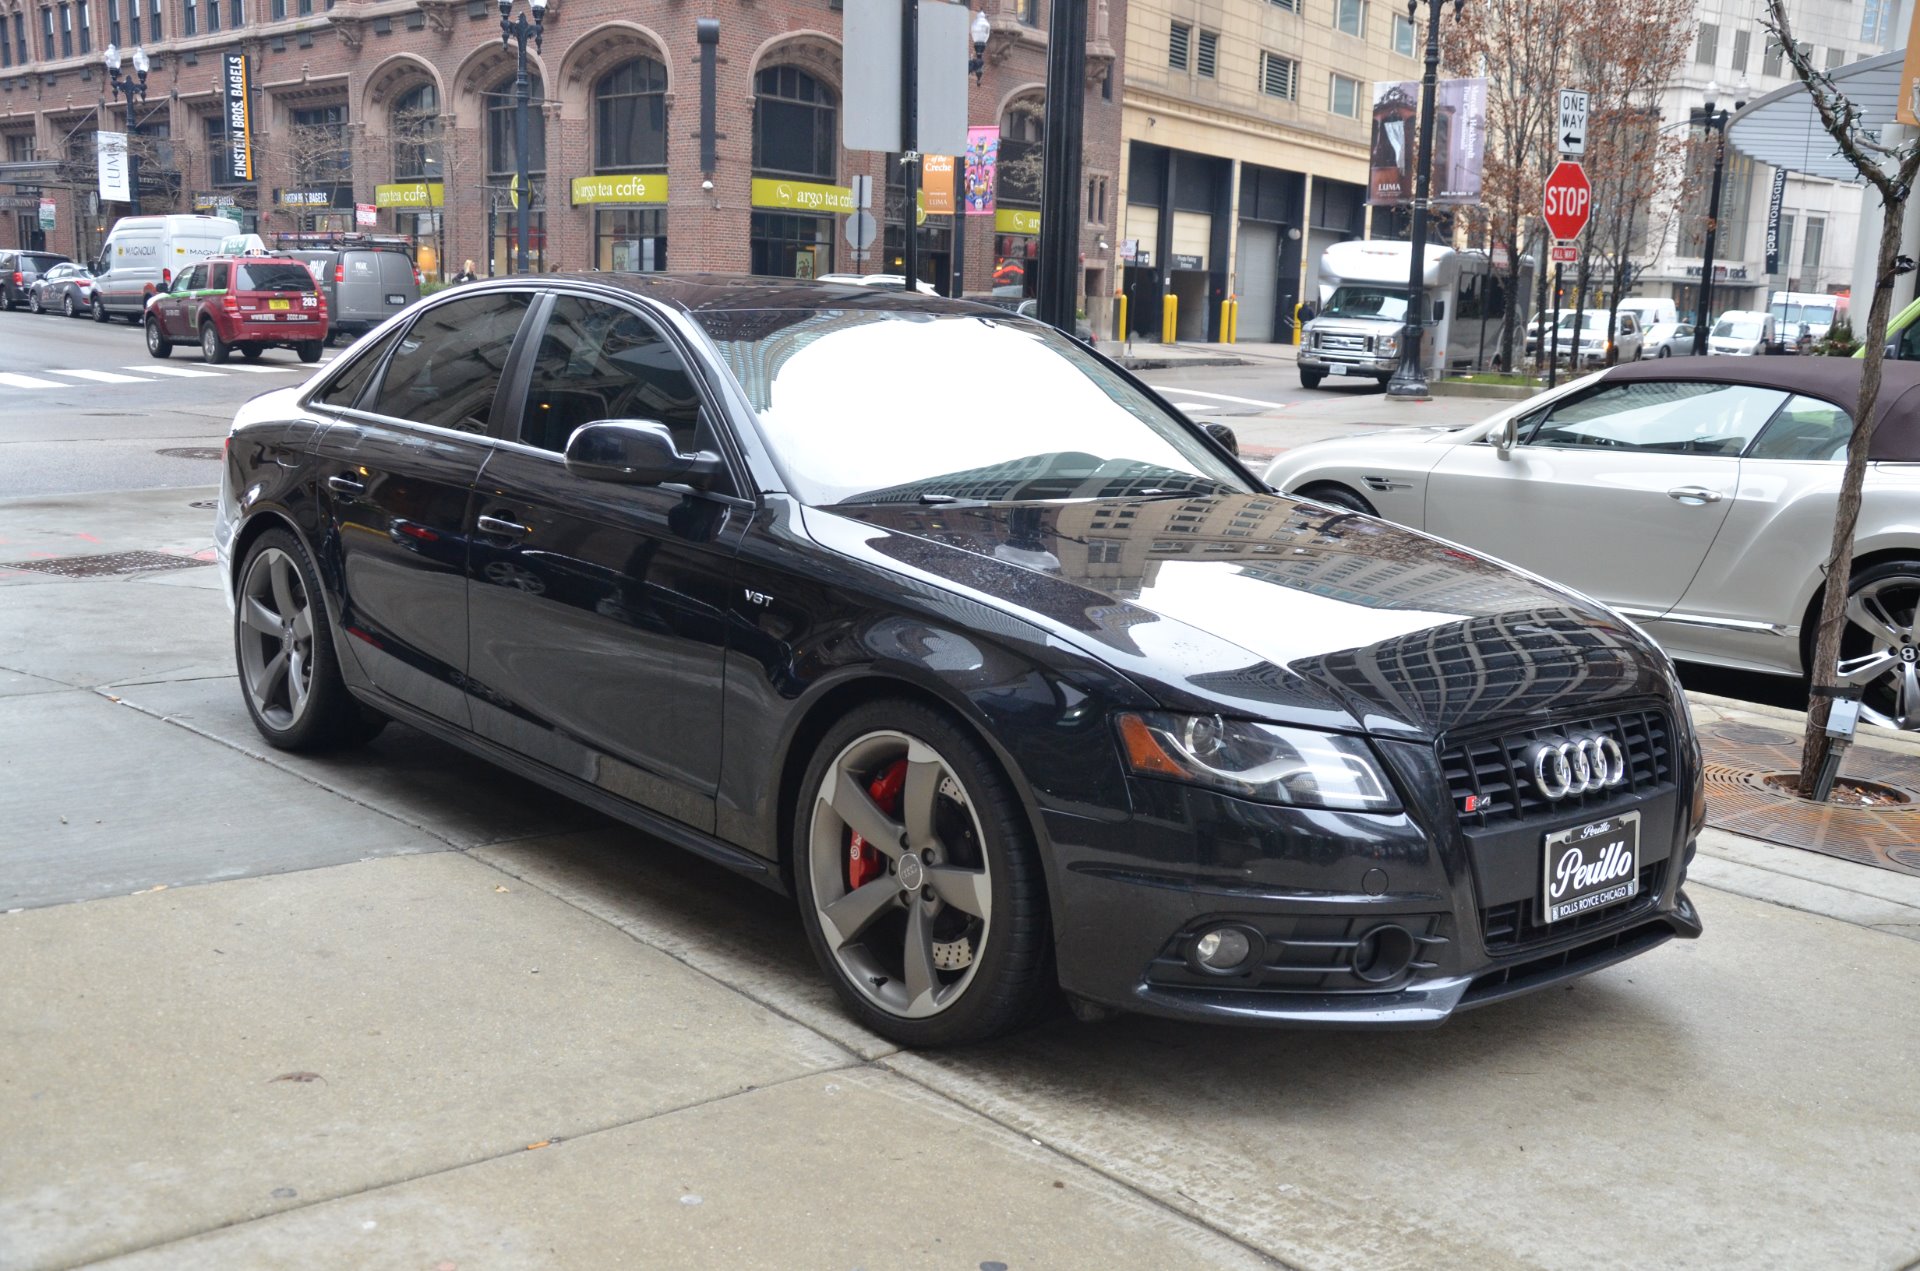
point(918, 881)
point(158, 345)
point(288, 673)
point(1880, 648)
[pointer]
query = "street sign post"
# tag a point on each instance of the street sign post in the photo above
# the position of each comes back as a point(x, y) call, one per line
point(1569, 200)
point(860, 230)
point(1565, 253)
point(1572, 133)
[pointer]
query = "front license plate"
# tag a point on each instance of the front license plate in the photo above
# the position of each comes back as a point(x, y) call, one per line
point(279, 304)
point(1336, 368)
point(1591, 866)
point(396, 298)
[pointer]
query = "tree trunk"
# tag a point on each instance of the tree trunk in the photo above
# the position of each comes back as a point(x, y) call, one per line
point(1825, 671)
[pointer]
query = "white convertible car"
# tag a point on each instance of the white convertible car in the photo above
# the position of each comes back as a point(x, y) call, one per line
point(1695, 496)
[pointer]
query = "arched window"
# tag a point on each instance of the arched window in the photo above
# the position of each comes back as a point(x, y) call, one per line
point(1022, 132)
point(501, 160)
point(795, 124)
point(630, 117)
point(415, 125)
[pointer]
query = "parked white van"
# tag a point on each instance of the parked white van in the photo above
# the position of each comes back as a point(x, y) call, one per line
point(143, 253)
point(1742, 333)
point(1650, 310)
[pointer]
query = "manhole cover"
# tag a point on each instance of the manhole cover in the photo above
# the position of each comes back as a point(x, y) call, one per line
point(191, 452)
point(1752, 735)
point(104, 566)
point(207, 503)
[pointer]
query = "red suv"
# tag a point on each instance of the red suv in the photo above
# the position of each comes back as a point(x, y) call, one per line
point(250, 303)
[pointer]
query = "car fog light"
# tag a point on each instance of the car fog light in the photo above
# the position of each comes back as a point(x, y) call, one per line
point(1224, 949)
point(1383, 954)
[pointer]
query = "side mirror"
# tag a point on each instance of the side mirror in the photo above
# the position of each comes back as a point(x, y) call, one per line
point(1505, 439)
point(636, 452)
point(1224, 435)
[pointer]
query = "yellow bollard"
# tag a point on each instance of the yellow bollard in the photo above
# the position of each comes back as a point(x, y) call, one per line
point(1169, 318)
point(1120, 326)
point(1229, 321)
point(1296, 321)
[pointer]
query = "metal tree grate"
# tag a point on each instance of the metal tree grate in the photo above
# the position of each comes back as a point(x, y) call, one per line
point(108, 566)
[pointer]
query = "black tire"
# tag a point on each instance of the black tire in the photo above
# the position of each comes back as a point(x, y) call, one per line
point(1664, 352)
point(133, 319)
point(213, 349)
point(252, 352)
point(1339, 496)
point(6, 299)
point(158, 345)
point(67, 306)
point(1311, 379)
point(33, 302)
point(309, 350)
point(100, 314)
point(1013, 974)
point(329, 718)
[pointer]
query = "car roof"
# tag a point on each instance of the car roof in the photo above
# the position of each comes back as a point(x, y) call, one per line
point(703, 294)
point(1896, 429)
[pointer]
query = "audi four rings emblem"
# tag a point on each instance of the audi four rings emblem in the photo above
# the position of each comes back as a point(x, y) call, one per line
point(1576, 765)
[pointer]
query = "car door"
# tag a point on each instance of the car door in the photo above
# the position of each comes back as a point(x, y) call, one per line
point(598, 610)
point(174, 304)
point(1617, 492)
point(395, 475)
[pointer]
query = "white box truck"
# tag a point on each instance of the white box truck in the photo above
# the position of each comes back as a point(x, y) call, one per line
point(1363, 312)
point(143, 253)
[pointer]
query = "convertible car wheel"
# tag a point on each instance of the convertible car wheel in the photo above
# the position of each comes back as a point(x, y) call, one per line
point(1339, 496)
point(285, 653)
point(1880, 649)
point(918, 881)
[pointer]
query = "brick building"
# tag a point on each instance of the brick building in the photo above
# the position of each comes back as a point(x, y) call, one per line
point(408, 105)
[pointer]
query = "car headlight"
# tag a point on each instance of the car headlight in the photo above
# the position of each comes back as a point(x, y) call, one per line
point(1387, 344)
point(1268, 762)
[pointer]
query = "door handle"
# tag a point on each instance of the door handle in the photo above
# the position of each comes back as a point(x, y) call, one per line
point(1695, 495)
point(502, 526)
point(346, 485)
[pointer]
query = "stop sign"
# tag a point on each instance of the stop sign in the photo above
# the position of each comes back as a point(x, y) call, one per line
point(1569, 200)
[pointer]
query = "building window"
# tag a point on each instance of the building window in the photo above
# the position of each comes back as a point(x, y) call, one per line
point(502, 163)
point(1096, 200)
point(1770, 64)
point(133, 21)
point(66, 30)
point(113, 22)
point(1208, 60)
point(86, 27)
point(630, 117)
point(784, 245)
point(46, 31)
point(632, 240)
point(218, 167)
point(236, 13)
point(279, 9)
point(1742, 42)
point(1403, 35)
point(415, 128)
point(795, 124)
point(1027, 11)
point(1023, 134)
point(304, 7)
point(213, 15)
point(1815, 242)
point(321, 155)
point(1291, 6)
point(1344, 99)
point(1179, 41)
point(1350, 16)
point(189, 20)
point(20, 38)
point(1785, 246)
point(1279, 76)
point(1708, 50)
point(153, 20)
point(1875, 16)
point(1836, 58)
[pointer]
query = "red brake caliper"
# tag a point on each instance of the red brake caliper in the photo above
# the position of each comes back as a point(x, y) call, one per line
point(864, 863)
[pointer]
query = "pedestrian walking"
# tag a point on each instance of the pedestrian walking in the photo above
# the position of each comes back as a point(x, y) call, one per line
point(466, 273)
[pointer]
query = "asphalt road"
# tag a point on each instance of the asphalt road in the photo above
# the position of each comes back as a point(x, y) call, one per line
point(83, 407)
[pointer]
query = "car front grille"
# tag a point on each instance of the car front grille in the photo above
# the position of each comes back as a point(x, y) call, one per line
point(1511, 926)
point(1490, 776)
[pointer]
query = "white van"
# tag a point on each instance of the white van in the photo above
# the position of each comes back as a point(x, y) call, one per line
point(1742, 333)
point(1650, 310)
point(143, 253)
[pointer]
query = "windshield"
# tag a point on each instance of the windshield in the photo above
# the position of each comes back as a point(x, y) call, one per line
point(872, 406)
point(1352, 300)
point(1737, 328)
point(273, 276)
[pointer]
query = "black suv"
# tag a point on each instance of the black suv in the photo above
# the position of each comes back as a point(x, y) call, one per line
point(18, 269)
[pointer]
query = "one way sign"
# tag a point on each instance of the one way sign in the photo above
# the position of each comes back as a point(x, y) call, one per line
point(1572, 134)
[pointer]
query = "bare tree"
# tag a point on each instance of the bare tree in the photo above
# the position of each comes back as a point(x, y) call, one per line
point(1890, 170)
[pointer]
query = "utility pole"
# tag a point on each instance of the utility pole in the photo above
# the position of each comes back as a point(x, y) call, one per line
point(1060, 163)
point(910, 139)
point(519, 31)
point(1409, 381)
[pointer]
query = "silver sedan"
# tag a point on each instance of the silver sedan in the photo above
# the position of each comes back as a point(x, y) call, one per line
point(1695, 497)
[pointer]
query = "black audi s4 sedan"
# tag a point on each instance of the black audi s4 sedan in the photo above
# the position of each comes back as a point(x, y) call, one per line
point(933, 618)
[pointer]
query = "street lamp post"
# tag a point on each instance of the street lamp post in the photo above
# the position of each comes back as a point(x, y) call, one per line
point(1714, 121)
point(517, 30)
point(1409, 381)
point(131, 87)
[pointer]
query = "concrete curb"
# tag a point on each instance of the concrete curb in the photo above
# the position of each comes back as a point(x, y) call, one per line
point(1174, 363)
point(1485, 392)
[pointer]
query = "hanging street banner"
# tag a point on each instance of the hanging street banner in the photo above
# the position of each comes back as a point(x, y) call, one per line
point(1459, 142)
point(111, 147)
point(936, 184)
point(983, 162)
point(239, 108)
point(48, 214)
point(1773, 220)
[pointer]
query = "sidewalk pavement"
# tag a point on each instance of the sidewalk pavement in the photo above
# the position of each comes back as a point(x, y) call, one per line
point(1141, 354)
point(397, 1009)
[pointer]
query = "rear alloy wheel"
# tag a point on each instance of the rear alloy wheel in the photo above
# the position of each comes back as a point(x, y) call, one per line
point(288, 673)
point(1880, 648)
point(918, 880)
point(67, 306)
point(158, 345)
point(212, 348)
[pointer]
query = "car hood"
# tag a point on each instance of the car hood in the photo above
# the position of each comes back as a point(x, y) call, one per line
point(1260, 605)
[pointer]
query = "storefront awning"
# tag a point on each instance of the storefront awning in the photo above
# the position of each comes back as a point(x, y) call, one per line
point(1783, 130)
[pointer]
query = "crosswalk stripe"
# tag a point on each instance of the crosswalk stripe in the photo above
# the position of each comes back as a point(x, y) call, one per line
point(99, 377)
point(12, 380)
point(180, 372)
point(261, 370)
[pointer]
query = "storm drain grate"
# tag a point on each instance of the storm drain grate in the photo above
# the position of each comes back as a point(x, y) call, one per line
point(207, 504)
point(104, 566)
point(191, 452)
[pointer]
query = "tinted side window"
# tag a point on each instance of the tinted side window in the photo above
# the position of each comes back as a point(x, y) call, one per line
point(345, 391)
point(217, 276)
point(599, 361)
point(1675, 418)
point(274, 276)
point(447, 366)
point(194, 279)
point(1807, 429)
